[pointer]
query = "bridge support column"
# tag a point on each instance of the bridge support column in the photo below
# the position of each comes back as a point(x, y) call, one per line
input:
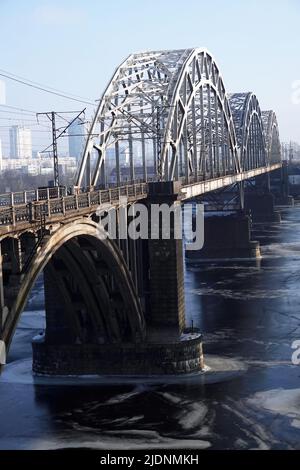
point(166, 277)
point(226, 236)
point(166, 304)
point(259, 202)
point(16, 255)
point(261, 207)
point(57, 331)
point(279, 182)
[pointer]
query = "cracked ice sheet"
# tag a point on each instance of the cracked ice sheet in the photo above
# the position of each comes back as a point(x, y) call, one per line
point(127, 440)
point(283, 402)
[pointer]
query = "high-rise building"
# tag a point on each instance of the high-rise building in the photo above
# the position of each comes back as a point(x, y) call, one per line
point(20, 142)
point(77, 133)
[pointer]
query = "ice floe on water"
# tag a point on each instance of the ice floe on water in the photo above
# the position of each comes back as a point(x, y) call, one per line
point(131, 440)
point(124, 396)
point(280, 401)
point(246, 294)
point(296, 423)
point(32, 320)
point(281, 249)
point(193, 415)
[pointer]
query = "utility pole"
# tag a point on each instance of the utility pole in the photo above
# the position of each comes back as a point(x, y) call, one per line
point(54, 145)
point(51, 116)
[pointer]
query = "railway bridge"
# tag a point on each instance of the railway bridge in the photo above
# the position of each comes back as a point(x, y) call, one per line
point(171, 134)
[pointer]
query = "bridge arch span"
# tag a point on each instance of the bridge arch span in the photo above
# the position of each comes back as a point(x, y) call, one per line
point(249, 128)
point(200, 121)
point(171, 109)
point(272, 136)
point(80, 250)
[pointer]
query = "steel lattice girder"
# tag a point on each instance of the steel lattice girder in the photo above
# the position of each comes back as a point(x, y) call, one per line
point(249, 130)
point(173, 105)
point(272, 136)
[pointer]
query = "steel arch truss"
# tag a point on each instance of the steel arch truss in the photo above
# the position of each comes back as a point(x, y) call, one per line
point(168, 110)
point(249, 130)
point(199, 139)
point(272, 136)
point(130, 112)
point(167, 113)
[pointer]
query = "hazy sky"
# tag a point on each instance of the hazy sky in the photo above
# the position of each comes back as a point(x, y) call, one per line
point(75, 46)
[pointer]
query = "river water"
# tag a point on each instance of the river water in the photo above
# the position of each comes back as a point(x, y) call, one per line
point(249, 314)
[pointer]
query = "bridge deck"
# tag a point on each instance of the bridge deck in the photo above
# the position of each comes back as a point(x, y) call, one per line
point(196, 189)
point(20, 215)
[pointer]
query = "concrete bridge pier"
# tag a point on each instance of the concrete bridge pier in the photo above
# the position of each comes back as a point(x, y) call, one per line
point(227, 228)
point(226, 236)
point(166, 307)
point(279, 185)
point(165, 314)
point(259, 201)
point(261, 207)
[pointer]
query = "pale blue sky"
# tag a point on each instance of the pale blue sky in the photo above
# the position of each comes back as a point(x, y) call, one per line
point(75, 45)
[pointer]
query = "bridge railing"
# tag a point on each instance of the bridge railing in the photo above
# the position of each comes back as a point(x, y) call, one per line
point(24, 197)
point(32, 210)
point(44, 194)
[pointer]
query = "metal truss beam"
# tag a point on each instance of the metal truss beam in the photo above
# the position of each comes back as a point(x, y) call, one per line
point(168, 112)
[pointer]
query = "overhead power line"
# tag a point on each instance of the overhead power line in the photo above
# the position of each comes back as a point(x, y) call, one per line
point(32, 130)
point(34, 147)
point(41, 87)
point(18, 109)
point(18, 113)
point(18, 119)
